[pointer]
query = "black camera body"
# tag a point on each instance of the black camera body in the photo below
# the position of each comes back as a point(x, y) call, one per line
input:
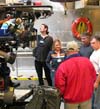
point(6, 46)
point(6, 43)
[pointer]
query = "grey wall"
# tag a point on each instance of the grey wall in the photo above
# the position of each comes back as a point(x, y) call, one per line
point(60, 24)
point(2, 1)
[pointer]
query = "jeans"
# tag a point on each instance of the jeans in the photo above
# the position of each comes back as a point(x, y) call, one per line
point(52, 74)
point(93, 98)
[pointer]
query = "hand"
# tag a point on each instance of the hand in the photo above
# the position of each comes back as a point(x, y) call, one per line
point(96, 84)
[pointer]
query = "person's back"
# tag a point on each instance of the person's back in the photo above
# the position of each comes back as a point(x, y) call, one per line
point(80, 76)
point(75, 79)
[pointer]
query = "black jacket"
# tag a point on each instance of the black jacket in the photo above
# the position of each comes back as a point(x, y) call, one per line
point(44, 45)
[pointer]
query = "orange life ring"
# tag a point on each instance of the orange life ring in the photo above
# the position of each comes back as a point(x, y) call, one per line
point(75, 24)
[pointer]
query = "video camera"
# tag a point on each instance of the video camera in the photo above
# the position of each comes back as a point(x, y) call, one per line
point(7, 43)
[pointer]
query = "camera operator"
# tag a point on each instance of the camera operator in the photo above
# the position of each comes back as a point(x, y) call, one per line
point(6, 57)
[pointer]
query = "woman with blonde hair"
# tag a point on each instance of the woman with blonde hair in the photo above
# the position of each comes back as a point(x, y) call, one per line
point(55, 57)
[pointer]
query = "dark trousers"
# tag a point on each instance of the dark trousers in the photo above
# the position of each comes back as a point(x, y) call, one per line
point(39, 66)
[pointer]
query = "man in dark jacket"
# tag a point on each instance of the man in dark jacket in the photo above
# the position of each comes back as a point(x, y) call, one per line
point(75, 78)
point(86, 49)
point(44, 45)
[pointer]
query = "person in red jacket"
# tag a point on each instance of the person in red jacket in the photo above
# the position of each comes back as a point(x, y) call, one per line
point(75, 79)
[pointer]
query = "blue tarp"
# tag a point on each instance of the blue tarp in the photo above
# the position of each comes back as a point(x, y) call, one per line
point(3, 32)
